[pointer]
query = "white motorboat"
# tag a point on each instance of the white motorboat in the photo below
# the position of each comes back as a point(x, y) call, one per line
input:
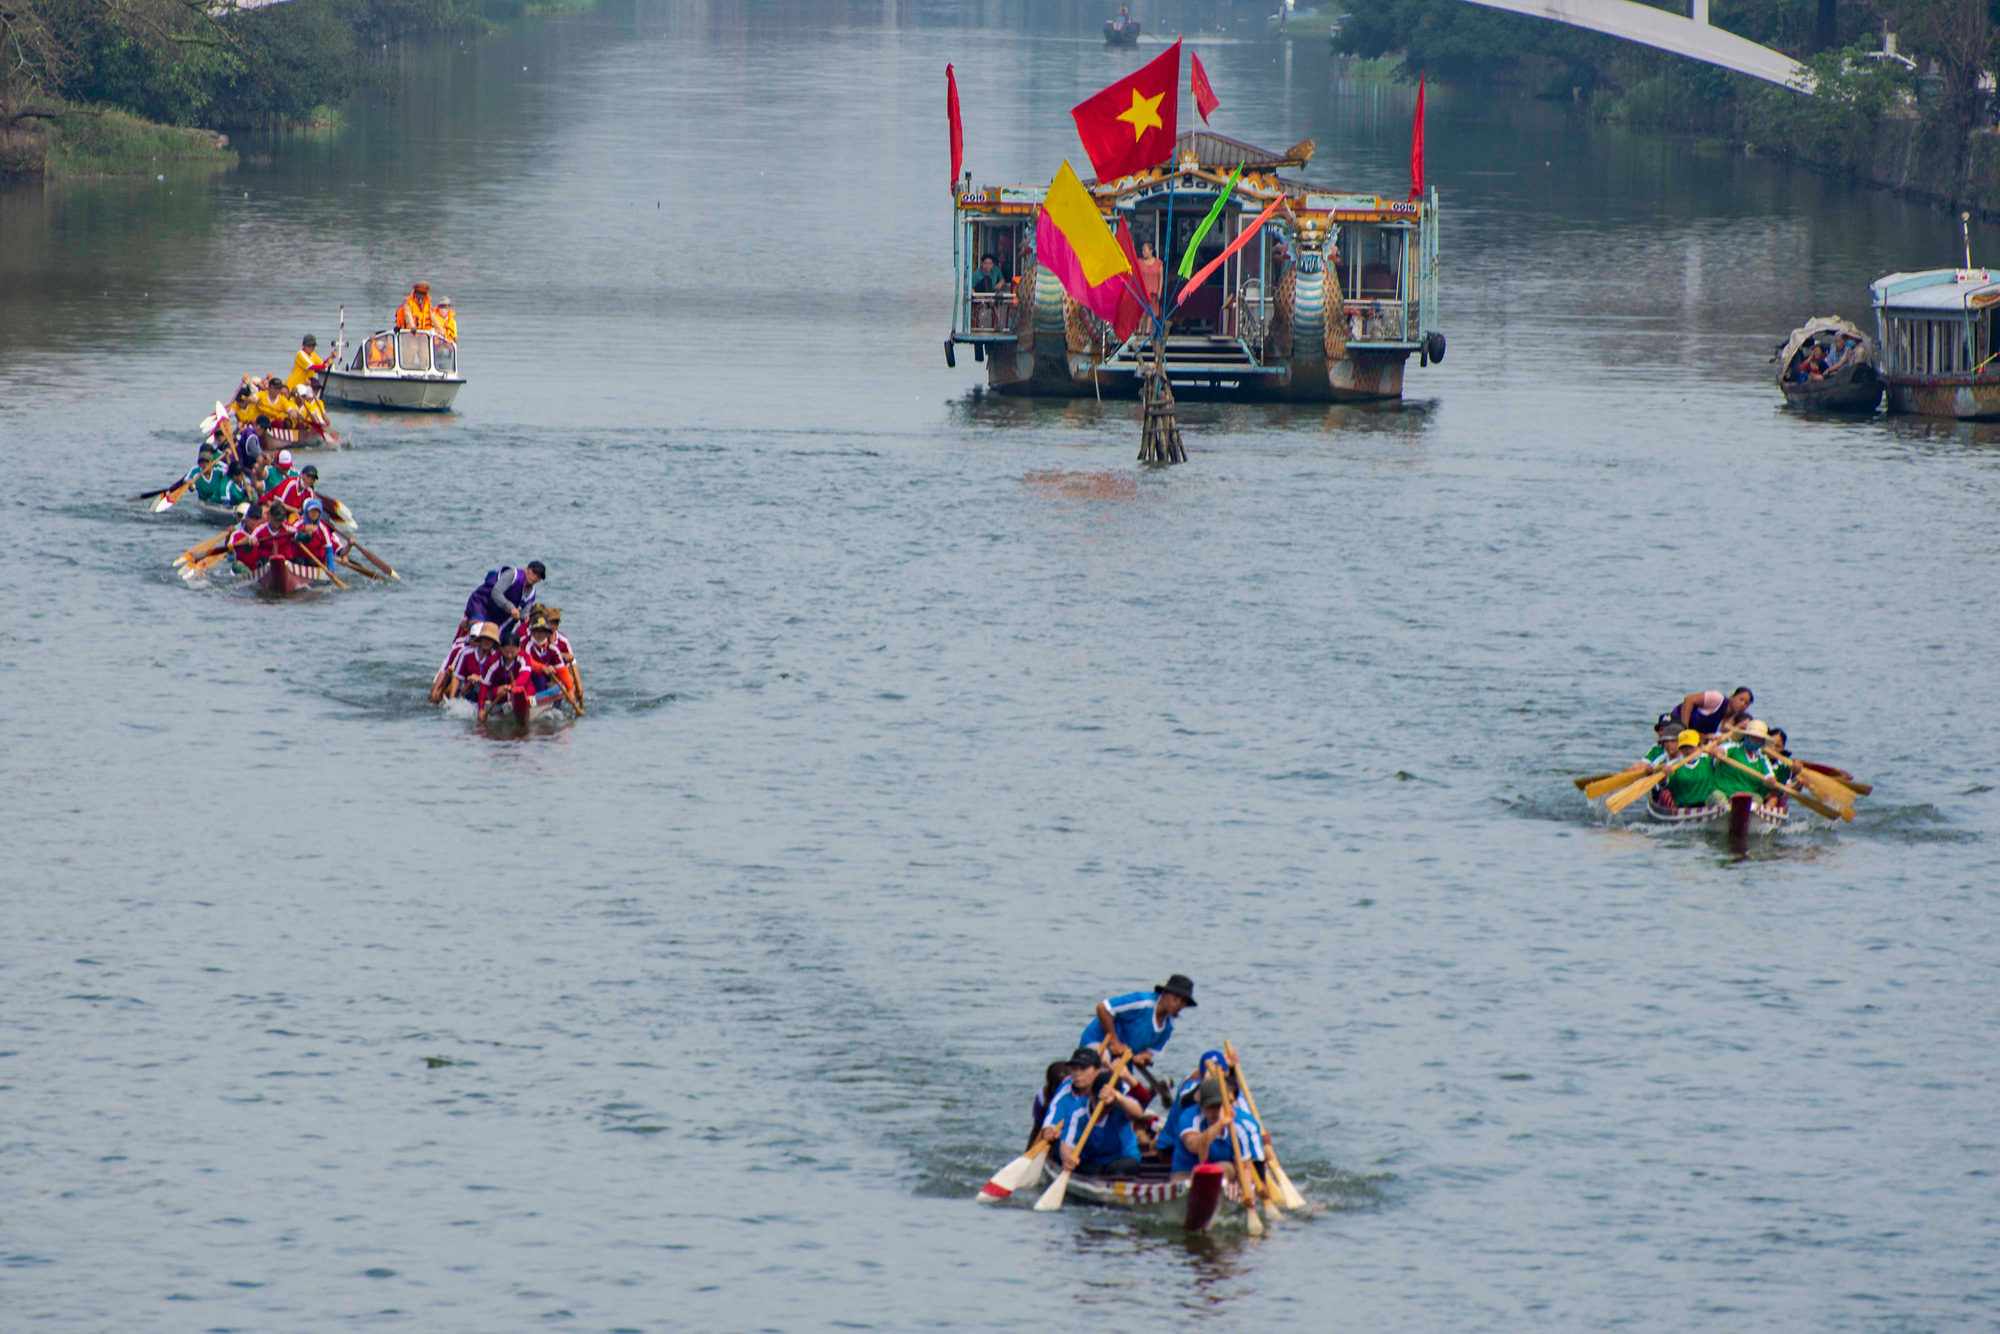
point(414, 370)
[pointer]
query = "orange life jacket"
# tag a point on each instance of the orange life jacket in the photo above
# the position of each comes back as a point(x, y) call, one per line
point(412, 315)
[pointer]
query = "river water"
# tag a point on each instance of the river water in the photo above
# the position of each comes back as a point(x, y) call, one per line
point(922, 720)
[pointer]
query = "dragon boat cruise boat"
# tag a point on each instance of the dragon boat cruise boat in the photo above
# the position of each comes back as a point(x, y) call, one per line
point(411, 370)
point(1326, 303)
point(1940, 349)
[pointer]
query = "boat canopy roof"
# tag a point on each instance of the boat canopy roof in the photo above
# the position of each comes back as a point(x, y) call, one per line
point(1823, 324)
point(1944, 291)
point(1201, 165)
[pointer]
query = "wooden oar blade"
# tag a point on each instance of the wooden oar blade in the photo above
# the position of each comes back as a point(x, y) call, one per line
point(1588, 779)
point(1827, 790)
point(1286, 1190)
point(1821, 808)
point(1012, 1177)
point(1608, 783)
point(1052, 1198)
point(1619, 800)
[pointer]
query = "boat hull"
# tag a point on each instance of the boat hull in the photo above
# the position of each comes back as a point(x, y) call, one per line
point(1859, 393)
point(425, 393)
point(1763, 820)
point(1200, 1195)
point(1121, 34)
point(285, 577)
point(1966, 397)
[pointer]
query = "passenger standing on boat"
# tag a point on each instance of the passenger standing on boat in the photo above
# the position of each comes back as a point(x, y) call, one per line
point(443, 320)
point(1152, 272)
point(415, 312)
point(305, 363)
point(1113, 1146)
point(504, 598)
point(1137, 1022)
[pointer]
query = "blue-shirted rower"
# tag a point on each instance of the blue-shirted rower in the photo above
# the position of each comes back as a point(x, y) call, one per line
point(1138, 1022)
point(1113, 1146)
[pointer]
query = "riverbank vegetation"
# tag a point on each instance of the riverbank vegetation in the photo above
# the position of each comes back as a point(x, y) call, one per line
point(1914, 118)
point(107, 82)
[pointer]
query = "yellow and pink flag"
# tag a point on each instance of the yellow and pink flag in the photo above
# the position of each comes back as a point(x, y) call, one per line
point(1095, 267)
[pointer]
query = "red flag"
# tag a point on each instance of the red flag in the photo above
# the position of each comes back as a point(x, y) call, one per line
point(1417, 145)
point(1131, 125)
point(957, 127)
point(1205, 99)
point(1242, 239)
point(1130, 311)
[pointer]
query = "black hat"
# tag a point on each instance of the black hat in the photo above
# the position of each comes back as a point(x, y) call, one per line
point(1667, 721)
point(1085, 1056)
point(1210, 1093)
point(309, 341)
point(1177, 985)
point(539, 570)
point(309, 471)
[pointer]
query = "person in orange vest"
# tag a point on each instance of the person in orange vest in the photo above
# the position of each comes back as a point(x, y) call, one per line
point(443, 320)
point(415, 312)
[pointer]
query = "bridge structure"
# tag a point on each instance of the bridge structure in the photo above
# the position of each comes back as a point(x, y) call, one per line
point(1691, 36)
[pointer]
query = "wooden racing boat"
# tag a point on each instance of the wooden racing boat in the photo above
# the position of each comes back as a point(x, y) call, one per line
point(285, 577)
point(1763, 819)
point(1203, 1192)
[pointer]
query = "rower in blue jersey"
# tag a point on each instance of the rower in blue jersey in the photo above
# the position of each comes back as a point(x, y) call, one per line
point(1216, 1131)
point(1181, 1103)
point(1113, 1146)
point(1138, 1022)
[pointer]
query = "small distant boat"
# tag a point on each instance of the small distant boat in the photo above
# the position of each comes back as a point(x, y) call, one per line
point(1121, 32)
point(1853, 386)
point(1940, 346)
point(412, 370)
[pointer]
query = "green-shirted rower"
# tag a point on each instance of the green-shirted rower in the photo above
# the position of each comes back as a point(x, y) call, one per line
point(217, 487)
point(1747, 750)
point(1693, 783)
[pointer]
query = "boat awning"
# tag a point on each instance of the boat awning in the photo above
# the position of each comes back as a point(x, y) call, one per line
point(1939, 291)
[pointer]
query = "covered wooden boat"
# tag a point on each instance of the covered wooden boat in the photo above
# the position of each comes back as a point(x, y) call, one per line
point(285, 577)
point(1326, 303)
point(1940, 353)
point(1199, 1196)
point(1121, 32)
point(408, 370)
point(1851, 383)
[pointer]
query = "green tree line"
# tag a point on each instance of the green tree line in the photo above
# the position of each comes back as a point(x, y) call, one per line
point(195, 62)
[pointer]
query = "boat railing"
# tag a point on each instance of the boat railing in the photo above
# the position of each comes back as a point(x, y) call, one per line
point(404, 352)
point(1387, 320)
point(991, 312)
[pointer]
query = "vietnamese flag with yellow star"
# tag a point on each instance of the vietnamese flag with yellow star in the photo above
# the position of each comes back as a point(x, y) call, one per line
point(1130, 126)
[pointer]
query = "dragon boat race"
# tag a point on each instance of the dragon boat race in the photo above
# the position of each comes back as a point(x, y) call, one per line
point(746, 665)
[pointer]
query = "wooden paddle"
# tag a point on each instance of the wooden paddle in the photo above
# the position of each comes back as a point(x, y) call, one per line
point(1246, 1182)
point(1840, 776)
point(307, 553)
point(1811, 804)
point(202, 566)
point(1814, 775)
point(383, 565)
point(1286, 1190)
point(360, 569)
point(1588, 779)
point(200, 549)
point(1611, 782)
point(1052, 1198)
point(1625, 797)
point(148, 495)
